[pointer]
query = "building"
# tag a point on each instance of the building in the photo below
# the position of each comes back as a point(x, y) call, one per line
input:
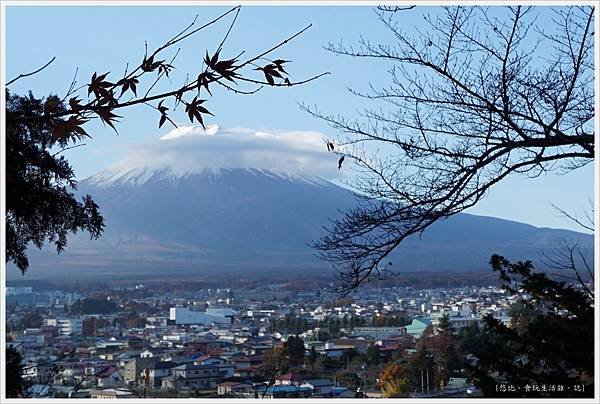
point(336, 348)
point(202, 377)
point(378, 332)
point(18, 290)
point(65, 326)
point(136, 342)
point(23, 295)
point(289, 379)
point(284, 391)
point(320, 387)
point(133, 369)
point(209, 360)
point(69, 326)
point(184, 315)
point(109, 377)
point(151, 353)
point(235, 389)
point(417, 327)
point(111, 393)
point(158, 371)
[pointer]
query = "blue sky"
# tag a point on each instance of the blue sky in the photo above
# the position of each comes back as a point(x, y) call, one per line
point(105, 38)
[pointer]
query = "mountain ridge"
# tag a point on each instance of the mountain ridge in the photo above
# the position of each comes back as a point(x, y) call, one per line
point(236, 218)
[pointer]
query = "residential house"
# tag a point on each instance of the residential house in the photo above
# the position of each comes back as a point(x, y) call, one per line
point(111, 393)
point(235, 389)
point(157, 371)
point(151, 353)
point(336, 348)
point(109, 377)
point(284, 391)
point(197, 376)
point(134, 367)
point(209, 360)
point(320, 387)
point(246, 366)
point(289, 379)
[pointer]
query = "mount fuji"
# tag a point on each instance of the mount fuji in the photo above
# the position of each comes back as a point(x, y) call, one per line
point(250, 219)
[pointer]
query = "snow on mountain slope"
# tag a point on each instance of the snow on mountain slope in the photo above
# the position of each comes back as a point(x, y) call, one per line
point(256, 219)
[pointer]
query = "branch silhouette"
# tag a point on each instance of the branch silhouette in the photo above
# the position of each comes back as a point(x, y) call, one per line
point(470, 102)
point(20, 76)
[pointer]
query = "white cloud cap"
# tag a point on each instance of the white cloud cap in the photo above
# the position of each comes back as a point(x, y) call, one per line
point(191, 148)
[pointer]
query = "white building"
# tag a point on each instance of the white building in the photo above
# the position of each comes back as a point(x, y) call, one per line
point(66, 326)
point(378, 332)
point(18, 290)
point(183, 315)
point(70, 326)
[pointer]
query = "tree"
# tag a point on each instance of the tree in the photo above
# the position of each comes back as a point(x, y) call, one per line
point(273, 364)
point(40, 205)
point(478, 96)
point(348, 356)
point(31, 320)
point(348, 379)
point(421, 366)
point(294, 350)
point(373, 356)
point(394, 381)
point(554, 345)
point(281, 360)
point(437, 355)
point(312, 357)
point(444, 326)
point(91, 305)
point(14, 373)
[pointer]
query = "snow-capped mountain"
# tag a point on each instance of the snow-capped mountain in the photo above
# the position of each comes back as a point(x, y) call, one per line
point(254, 219)
point(143, 175)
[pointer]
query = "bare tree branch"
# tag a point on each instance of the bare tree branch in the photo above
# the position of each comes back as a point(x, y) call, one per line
point(20, 76)
point(471, 101)
point(393, 9)
point(588, 224)
point(570, 257)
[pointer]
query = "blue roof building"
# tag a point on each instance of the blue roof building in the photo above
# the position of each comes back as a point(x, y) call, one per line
point(417, 327)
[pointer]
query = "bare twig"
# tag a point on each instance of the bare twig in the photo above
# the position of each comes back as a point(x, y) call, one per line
point(574, 218)
point(64, 149)
point(393, 9)
point(20, 76)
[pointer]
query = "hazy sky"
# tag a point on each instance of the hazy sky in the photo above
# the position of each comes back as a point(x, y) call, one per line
point(105, 38)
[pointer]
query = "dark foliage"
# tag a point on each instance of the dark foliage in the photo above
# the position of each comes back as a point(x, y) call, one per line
point(40, 203)
point(390, 320)
point(373, 355)
point(294, 350)
point(348, 379)
point(31, 320)
point(551, 342)
point(14, 370)
point(444, 326)
point(91, 305)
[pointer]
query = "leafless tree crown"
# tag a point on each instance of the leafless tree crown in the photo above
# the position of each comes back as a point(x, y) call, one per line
point(478, 95)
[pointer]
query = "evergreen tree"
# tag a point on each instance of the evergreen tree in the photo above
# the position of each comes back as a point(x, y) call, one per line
point(14, 373)
point(294, 350)
point(444, 326)
point(553, 346)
